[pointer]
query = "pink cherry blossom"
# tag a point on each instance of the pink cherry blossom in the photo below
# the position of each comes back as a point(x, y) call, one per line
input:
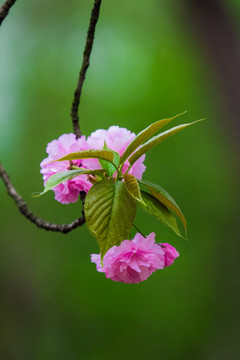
point(132, 261)
point(68, 191)
point(117, 139)
point(170, 254)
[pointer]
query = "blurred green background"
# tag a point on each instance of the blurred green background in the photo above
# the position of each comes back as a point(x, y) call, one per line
point(151, 59)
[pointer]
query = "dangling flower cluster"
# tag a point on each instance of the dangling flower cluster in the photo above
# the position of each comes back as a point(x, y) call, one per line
point(115, 138)
point(134, 261)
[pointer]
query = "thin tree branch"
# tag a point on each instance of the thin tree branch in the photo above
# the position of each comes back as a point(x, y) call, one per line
point(21, 204)
point(4, 9)
point(24, 209)
point(85, 65)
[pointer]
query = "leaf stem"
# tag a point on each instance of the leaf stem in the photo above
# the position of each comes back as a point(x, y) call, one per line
point(128, 169)
point(139, 230)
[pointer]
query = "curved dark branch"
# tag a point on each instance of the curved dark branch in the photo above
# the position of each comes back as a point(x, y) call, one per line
point(21, 204)
point(85, 65)
point(4, 9)
point(24, 209)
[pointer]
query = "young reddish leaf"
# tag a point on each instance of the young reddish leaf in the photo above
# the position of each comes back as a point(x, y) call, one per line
point(88, 154)
point(63, 176)
point(156, 140)
point(159, 193)
point(133, 188)
point(155, 208)
point(110, 211)
point(144, 135)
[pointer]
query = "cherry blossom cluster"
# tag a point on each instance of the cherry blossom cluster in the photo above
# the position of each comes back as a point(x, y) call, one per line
point(133, 260)
point(115, 138)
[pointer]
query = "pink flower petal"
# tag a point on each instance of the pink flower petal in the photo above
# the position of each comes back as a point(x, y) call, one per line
point(132, 261)
point(68, 192)
point(117, 139)
point(170, 253)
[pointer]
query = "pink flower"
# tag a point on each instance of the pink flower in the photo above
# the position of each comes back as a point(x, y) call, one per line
point(67, 192)
point(132, 261)
point(117, 139)
point(170, 254)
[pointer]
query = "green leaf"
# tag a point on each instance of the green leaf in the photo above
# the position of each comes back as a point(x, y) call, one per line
point(109, 212)
point(156, 140)
point(159, 193)
point(144, 135)
point(88, 154)
point(133, 188)
point(63, 176)
point(111, 169)
point(155, 208)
